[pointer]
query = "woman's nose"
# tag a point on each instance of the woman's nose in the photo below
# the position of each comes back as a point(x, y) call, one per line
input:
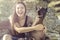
point(20, 9)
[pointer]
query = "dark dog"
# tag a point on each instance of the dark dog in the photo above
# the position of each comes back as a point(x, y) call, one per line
point(39, 35)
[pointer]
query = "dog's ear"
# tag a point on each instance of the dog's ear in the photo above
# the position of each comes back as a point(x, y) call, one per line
point(45, 11)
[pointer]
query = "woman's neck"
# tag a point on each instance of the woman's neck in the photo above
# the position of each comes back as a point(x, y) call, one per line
point(22, 18)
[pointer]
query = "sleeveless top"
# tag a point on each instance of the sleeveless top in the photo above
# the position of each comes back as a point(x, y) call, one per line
point(28, 22)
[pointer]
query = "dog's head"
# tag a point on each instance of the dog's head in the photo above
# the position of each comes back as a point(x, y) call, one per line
point(42, 12)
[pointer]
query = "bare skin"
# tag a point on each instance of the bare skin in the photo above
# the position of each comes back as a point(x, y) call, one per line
point(27, 29)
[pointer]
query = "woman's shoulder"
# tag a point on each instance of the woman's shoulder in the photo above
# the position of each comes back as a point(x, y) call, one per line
point(10, 18)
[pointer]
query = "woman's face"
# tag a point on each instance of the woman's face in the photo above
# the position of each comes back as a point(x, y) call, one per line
point(20, 10)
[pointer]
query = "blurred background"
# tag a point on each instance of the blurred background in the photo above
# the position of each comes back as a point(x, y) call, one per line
point(51, 20)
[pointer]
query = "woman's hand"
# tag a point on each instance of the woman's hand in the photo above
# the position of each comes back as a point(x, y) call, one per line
point(39, 27)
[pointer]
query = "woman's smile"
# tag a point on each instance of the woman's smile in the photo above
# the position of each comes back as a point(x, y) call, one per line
point(20, 10)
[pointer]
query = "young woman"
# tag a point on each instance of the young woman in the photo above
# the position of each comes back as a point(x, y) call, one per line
point(21, 24)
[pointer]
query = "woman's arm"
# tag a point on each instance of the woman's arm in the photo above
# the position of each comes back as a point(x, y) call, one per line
point(20, 29)
point(27, 29)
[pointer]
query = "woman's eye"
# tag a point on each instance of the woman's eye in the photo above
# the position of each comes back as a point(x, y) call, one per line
point(18, 8)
